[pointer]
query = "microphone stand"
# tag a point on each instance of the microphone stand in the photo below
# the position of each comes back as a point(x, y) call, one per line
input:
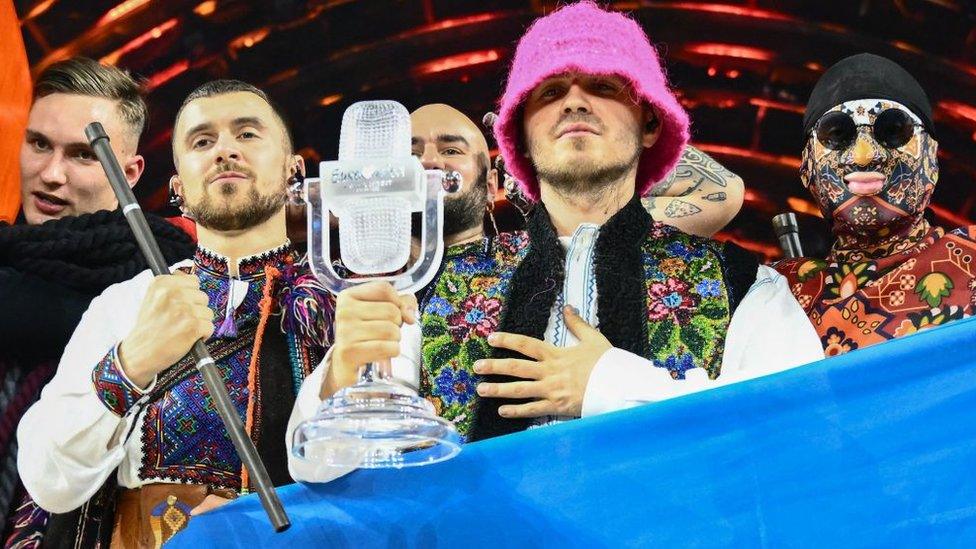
point(788, 232)
point(208, 369)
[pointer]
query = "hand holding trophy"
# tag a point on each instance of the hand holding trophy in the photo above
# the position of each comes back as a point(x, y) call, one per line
point(373, 188)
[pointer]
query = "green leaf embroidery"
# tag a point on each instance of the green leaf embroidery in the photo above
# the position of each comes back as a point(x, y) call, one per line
point(713, 310)
point(474, 349)
point(439, 351)
point(434, 326)
point(694, 340)
point(932, 287)
point(661, 336)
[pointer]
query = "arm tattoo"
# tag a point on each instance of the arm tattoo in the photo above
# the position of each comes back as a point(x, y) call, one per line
point(680, 208)
point(715, 197)
point(663, 186)
point(695, 168)
point(694, 187)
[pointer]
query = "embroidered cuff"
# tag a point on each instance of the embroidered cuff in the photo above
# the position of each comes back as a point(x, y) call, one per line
point(116, 391)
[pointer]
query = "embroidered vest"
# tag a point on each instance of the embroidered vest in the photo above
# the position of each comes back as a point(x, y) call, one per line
point(858, 304)
point(685, 294)
point(183, 439)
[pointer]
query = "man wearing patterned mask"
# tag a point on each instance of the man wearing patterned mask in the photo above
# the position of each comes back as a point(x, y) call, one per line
point(870, 162)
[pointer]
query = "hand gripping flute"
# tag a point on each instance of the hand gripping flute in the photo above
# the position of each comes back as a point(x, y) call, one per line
point(208, 369)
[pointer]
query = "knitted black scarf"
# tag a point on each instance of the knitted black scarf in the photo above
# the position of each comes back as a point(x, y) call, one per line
point(88, 252)
point(48, 275)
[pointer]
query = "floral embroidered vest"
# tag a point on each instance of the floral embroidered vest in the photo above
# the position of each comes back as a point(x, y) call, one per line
point(686, 293)
point(857, 304)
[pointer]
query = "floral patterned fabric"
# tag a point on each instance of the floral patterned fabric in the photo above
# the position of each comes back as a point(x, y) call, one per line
point(688, 306)
point(688, 312)
point(461, 309)
point(856, 304)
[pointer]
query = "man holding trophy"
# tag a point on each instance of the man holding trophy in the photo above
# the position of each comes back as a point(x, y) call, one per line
point(596, 307)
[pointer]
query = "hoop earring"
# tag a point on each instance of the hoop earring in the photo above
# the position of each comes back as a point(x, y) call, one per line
point(296, 178)
point(176, 200)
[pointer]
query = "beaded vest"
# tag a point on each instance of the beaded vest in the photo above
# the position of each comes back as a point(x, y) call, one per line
point(685, 295)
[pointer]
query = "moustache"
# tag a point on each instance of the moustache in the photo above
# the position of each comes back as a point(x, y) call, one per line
point(228, 167)
point(577, 118)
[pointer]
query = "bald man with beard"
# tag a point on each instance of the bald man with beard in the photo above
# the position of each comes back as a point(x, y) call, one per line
point(445, 139)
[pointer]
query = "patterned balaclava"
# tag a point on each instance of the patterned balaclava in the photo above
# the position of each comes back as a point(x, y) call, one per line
point(874, 192)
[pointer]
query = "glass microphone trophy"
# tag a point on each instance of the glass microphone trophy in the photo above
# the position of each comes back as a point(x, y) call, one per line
point(373, 188)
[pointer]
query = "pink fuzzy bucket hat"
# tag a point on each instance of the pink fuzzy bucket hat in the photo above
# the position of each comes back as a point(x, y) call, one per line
point(584, 38)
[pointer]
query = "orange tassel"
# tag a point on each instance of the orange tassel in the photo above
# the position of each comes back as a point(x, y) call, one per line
point(270, 273)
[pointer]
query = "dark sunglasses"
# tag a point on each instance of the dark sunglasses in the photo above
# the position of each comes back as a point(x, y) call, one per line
point(892, 128)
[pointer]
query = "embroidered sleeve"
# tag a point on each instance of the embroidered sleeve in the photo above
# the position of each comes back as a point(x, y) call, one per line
point(113, 387)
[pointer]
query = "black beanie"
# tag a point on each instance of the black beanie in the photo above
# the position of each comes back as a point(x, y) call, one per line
point(867, 76)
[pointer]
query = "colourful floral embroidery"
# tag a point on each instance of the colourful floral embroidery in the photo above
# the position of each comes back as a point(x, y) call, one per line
point(677, 365)
point(670, 300)
point(478, 317)
point(672, 266)
point(440, 306)
point(456, 386)
point(835, 342)
point(462, 309)
point(680, 249)
point(687, 316)
point(471, 265)
point(688, 312)
point(709, 288)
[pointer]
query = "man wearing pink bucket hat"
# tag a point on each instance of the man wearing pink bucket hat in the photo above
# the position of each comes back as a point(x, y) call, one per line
point(595, 307)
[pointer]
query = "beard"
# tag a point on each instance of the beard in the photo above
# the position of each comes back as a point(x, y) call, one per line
point(467, 210)
point(253, 210)
point(584, 177)
point(461, 212)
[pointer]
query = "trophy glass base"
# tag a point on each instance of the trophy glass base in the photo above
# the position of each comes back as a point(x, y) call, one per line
point(375, 425)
